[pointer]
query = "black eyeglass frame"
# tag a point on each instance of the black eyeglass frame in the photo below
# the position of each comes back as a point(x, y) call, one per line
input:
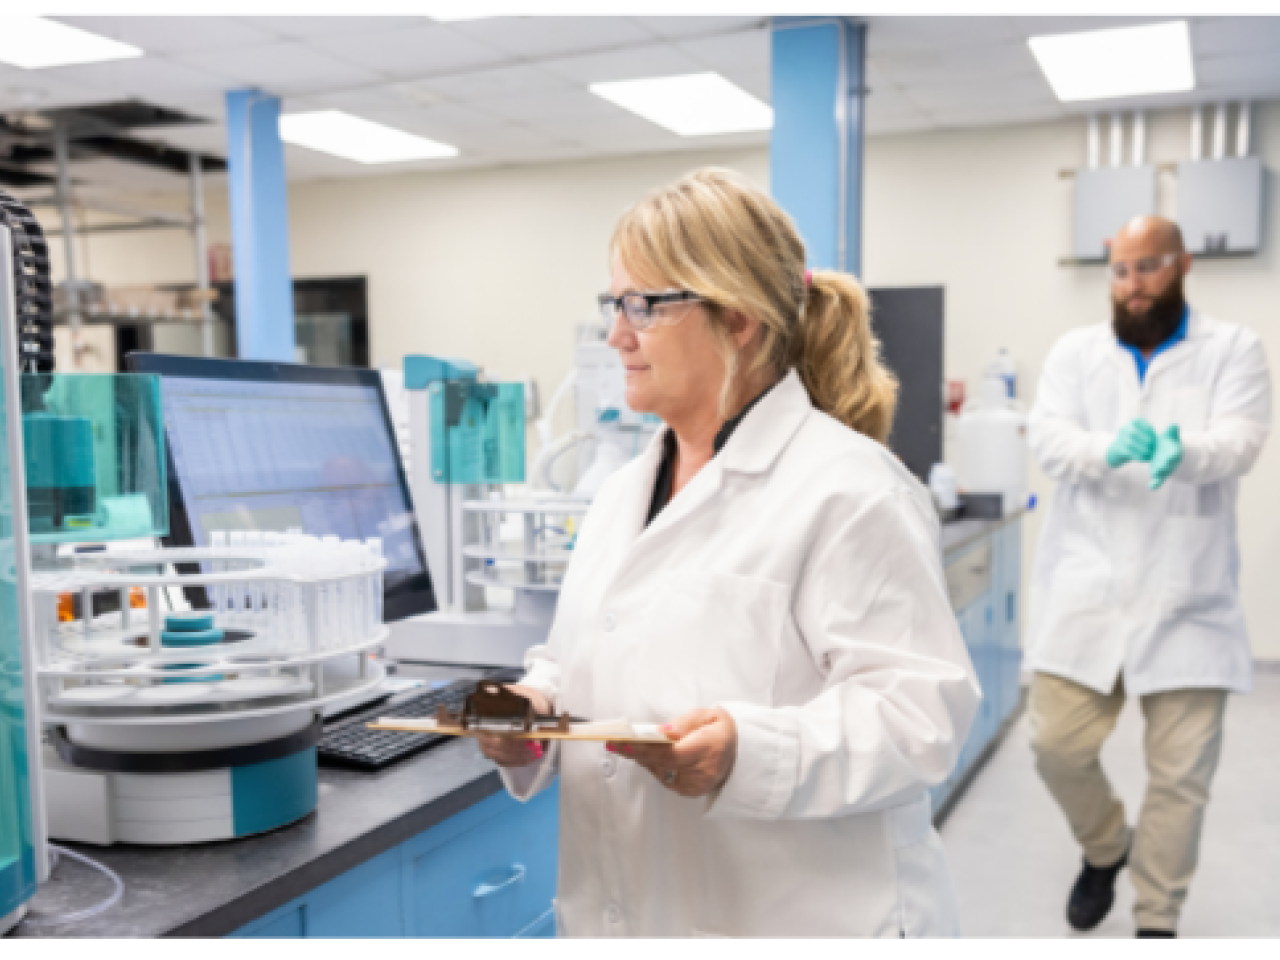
point(651, 300)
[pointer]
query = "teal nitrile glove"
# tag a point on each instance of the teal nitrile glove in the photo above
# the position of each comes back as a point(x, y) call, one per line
point(1135, 441)
point(1167, 458)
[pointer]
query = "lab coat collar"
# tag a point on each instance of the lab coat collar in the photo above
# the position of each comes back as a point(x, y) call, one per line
point(768, 428)
point(754, 447)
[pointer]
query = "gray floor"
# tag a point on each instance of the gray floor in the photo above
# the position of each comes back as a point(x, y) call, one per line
point(1014, 860)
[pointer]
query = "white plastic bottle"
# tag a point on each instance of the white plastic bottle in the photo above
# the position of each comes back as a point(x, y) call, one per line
point(993, 445)
point(1003, 368)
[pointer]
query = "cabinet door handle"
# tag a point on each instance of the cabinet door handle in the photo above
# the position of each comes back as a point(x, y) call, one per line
point(489, 889)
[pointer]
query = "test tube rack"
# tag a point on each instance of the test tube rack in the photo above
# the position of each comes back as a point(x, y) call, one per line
point(287, 609)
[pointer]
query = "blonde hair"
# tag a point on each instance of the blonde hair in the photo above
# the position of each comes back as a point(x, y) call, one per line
point(716, 234)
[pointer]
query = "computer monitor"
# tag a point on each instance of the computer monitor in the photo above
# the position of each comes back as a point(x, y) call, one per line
point(274, 446)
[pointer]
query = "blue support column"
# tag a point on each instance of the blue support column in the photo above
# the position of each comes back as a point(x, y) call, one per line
point(259, 227)
point(815, 152)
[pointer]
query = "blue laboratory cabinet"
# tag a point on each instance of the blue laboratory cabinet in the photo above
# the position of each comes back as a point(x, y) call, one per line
point(984, 575)
point(490, 871)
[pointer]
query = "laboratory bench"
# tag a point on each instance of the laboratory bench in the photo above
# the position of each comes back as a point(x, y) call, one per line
point(433, 846)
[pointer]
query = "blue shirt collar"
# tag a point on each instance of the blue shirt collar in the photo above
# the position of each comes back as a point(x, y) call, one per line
point(1176, 337)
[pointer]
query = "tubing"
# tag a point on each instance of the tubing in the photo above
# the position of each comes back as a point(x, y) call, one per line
point(88, 912)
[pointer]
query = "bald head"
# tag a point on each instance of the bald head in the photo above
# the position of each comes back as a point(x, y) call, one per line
point(1151, 235)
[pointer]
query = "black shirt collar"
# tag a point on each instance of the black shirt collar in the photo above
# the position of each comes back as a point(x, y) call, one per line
point(666, 478)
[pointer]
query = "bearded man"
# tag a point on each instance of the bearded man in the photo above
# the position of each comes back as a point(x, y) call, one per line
point(1147, 425)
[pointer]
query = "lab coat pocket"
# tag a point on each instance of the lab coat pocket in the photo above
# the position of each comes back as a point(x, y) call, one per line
point(711, 638)
point(926, 899)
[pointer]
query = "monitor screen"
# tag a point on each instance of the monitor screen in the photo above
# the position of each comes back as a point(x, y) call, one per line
point(275, 446)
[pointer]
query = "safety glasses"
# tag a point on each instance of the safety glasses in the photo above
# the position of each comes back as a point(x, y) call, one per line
point(645, 310)
point(1122, 270)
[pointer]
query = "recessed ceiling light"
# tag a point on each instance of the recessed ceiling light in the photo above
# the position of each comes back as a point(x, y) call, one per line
point(694, 105)
point(341, 134)
point(1124, 62)
point(34, 42)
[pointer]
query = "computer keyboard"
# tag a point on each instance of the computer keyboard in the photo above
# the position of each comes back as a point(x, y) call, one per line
point(350, 743)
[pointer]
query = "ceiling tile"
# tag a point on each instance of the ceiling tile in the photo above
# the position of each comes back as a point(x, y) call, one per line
point(144, 77)
point(304, 28)
point(1213, 37)
point(1250, 75)
point(894, 35)
point(281, 68)
point(1047, 26)
point(749, 50)
point(423, 51)
point(481, 85)
point(175, 34)
point(758, 83)
point(674, 28)
point(1006, 61)
point(540, 38)
point(641, 62)
point(574, 104)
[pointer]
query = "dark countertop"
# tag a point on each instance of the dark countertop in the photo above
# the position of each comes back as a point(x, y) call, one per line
point(958, 534)
point(210, 890)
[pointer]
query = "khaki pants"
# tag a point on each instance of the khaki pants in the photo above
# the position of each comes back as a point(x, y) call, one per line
point(1183, 740)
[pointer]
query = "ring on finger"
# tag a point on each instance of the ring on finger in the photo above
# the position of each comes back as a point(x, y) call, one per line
point(669, 778)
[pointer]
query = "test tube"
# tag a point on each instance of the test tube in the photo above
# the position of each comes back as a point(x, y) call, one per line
point(375, 547)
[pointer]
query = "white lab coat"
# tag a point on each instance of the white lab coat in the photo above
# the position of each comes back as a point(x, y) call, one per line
point(796, 581)
point(1126, 578)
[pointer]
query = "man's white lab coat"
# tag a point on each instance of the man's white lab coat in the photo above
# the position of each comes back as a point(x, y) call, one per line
point(796, 581)
point(1126, 578)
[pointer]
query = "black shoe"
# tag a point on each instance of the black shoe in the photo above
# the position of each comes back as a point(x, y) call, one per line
point(1093, 894)
point(1156, 933)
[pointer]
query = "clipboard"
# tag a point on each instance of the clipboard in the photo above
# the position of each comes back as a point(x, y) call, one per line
point(606, 731)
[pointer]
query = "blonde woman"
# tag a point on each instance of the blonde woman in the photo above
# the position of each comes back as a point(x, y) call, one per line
point(765, 580)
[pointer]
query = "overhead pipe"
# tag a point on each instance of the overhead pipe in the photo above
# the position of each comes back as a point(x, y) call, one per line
point(1243, 132)
point(1094, 142)
point(1117, 140)
point(1220, 132)
point(1139, 147)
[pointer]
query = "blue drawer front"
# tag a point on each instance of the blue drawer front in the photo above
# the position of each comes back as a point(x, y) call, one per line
point(490, 871)
point(493, 881)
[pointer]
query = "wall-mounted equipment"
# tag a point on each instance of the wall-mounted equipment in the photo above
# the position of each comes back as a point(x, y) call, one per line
point(1220, 199)
point(1106, 198)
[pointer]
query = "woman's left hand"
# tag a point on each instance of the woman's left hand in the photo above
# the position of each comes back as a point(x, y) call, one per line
point(700, 758)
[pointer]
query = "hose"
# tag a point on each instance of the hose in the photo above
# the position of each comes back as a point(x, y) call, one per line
point(88, 912)
point(548, 455)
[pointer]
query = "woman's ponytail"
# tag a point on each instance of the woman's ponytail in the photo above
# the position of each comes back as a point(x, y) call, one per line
point(838, 357)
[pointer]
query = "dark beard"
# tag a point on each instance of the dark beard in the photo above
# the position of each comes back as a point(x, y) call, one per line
point(1146, 331)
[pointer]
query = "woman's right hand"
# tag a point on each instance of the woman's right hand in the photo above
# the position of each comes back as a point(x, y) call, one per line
point(509, 751)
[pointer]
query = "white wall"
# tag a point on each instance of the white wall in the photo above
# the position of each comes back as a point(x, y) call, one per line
point(499, 265)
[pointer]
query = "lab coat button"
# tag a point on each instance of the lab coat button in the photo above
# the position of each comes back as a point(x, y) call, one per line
point(609, 766)
point(610, 622)
point(612, 914)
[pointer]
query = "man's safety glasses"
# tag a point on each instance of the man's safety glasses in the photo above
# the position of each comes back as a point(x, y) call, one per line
point(644, 310)
point(1122, 270)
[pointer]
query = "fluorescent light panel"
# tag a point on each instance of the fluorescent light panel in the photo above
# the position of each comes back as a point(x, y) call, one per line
point(696, 105)
point(1124, 62)
point(34, 43)
point(348, 137)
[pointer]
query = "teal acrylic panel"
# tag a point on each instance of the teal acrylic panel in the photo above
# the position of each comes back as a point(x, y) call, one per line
point(269, 795)
point(477, 432)
point(95, 457)
point(18, 870)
